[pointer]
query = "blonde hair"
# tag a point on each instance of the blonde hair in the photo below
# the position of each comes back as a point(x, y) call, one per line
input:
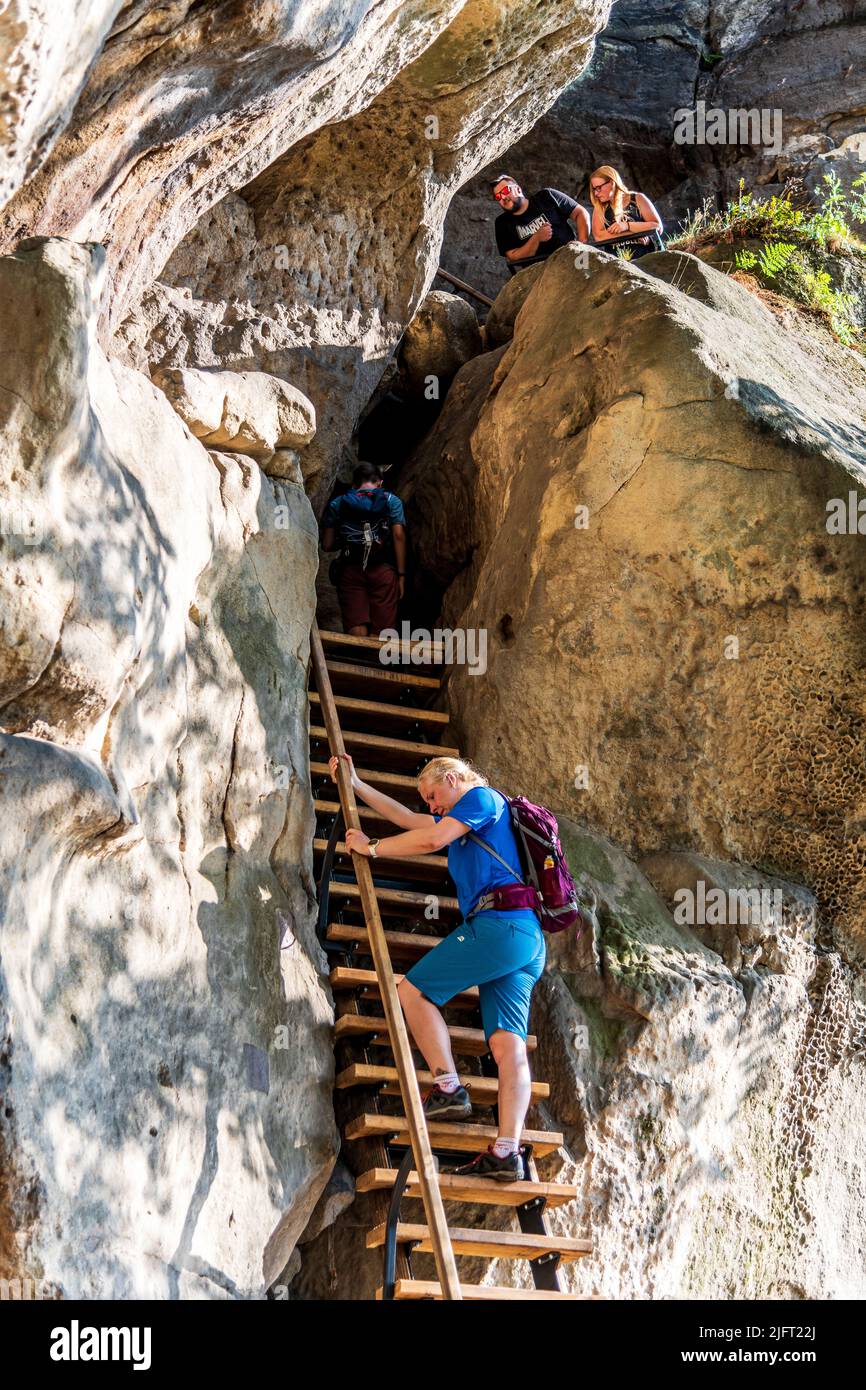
point(620, 191)
point(463, 770)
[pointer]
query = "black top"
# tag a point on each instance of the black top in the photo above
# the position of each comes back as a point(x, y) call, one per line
point(631, 213)
point(513, 229)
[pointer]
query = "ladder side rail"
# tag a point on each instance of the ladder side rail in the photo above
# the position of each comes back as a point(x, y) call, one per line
point(462, 285)
point(425, 1164)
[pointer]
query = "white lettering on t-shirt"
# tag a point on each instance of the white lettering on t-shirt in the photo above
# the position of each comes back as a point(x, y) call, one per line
point(527, 229)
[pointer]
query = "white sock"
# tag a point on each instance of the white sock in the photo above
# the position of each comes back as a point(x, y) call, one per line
point(504, 1147)
point(447, 1081)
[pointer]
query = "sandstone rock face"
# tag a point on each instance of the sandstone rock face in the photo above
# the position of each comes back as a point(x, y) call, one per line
point(647, 548)
point(244, 412)
point(707, 1108)
point(747, 917)
point(312, 269)
point(45, 54)
point(441, 338)
point(164, 1019)
point(186, 101)
point(508, 303)
point(805, 60)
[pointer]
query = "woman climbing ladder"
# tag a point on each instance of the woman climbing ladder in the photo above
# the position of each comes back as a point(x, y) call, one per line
point(503, 952)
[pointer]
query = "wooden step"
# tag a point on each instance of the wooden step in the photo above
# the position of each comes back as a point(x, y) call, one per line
point(483, 1090)
point(485, 1293)
point(399, 901)
point(433, 866)
point(492, 1245)
point(371, 646)
point(382, 680)
point(376, 709)
point(380, 745)
point(392, 781)
point(485, 1191)
point(469, 1042)
point(330, 808)
point(459, 1136)
point(344, 977)
point(400, 943)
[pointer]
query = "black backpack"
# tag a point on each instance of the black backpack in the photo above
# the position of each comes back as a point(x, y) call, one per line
point(365, 530)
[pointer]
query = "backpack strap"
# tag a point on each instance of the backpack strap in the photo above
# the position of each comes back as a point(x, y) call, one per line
point(490, 850)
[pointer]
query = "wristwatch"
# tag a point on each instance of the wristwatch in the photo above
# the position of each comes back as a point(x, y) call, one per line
point(372, 847)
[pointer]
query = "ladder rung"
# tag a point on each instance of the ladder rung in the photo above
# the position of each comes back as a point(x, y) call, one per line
point(387, 678)
point(461, 1136)
point(395, 900)
point(435, 864)
point(374, 644)
point(394, 747)
point(491, 1245)
point(482, 1089)
point(344, 977)
point(375, 775)
point(485, 1293)
point(485, 1191)
point(469, 1042)
point(404, 713)
point(330, 808)
point(400, 943)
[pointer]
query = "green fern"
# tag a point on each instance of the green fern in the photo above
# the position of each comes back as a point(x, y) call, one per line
point(775, 257)
point(771, 260)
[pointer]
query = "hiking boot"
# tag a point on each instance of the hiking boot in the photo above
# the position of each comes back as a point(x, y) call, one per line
point(444, 1105)
point(487, 1165)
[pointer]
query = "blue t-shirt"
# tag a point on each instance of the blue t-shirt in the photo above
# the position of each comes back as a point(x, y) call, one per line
point(473, 870)
point(396, 515)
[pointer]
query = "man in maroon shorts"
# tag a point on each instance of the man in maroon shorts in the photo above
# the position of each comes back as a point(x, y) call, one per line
point(369, 527)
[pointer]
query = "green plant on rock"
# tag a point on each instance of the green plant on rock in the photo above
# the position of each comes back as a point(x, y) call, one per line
point(858, 199)
point(819, 294)
point(828, 223)
point(771, 260)
point(786, 268)
point(796, 242)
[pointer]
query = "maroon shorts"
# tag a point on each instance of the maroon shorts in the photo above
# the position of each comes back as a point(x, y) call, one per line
point(368, 597)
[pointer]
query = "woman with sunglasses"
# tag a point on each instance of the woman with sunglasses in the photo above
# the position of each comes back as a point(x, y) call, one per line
point(617, 212)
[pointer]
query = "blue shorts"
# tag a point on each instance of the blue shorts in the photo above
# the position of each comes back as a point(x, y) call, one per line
point(501, 952)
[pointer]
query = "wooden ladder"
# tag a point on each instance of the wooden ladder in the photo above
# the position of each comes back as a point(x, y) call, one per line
point(386, 717)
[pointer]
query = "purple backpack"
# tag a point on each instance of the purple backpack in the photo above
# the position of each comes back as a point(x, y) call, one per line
point(543, 862)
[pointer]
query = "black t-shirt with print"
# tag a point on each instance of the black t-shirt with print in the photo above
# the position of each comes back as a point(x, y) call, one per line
point(548, 205)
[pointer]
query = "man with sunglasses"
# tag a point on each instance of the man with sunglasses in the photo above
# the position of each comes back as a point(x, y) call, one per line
point(529, 229)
